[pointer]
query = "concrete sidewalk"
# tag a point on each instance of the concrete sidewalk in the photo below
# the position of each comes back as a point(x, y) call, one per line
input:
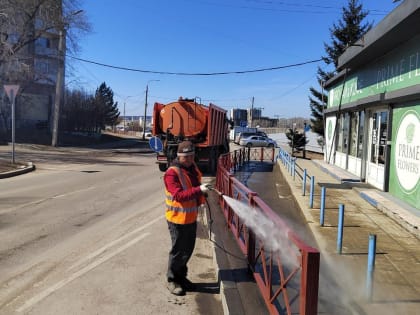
point(396, 284)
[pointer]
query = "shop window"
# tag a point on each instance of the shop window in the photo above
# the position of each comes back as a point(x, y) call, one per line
point(379, 137)
point(361, 134)
point(354, 128)
point(339, 136)
point(343, 133)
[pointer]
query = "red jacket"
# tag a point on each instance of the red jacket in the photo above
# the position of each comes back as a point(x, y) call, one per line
point(180, 199)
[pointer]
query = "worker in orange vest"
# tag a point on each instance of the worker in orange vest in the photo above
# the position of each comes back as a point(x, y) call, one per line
point(184, 195)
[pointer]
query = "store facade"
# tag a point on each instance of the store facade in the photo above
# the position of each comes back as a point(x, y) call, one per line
point(372, 120)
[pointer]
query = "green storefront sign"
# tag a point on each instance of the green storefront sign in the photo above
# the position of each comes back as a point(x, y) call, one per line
point(404, 181)
point(398, 69)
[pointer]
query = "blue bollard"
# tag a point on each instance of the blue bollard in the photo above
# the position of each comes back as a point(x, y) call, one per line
point(294, 169)
point(340, 228)
point(370, 266)
point(322, 209)
point(311, 192)
point(304, 183)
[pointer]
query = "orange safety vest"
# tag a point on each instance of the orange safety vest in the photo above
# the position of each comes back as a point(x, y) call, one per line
point(184, 212)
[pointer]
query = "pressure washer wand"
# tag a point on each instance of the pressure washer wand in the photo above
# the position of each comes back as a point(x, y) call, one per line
point(216, 191)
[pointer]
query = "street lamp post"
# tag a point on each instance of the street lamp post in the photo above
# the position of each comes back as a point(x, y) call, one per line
point(145, 108)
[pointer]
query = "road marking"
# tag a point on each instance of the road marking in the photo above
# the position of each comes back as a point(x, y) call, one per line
point(39, 201)
point(39, 297)
point(105, 247)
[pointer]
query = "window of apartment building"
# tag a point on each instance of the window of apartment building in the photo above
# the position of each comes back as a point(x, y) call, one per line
point(43, 42)
point(41, 66)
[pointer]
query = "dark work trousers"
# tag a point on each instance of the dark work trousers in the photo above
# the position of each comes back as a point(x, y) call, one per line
point(183, 242)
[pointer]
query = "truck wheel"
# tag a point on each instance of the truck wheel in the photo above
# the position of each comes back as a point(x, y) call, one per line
point(163, 167)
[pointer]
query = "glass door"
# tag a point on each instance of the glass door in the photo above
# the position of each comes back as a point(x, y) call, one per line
point(378, 134)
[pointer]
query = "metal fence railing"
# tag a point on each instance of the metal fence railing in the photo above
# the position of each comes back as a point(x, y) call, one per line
point(287, 279)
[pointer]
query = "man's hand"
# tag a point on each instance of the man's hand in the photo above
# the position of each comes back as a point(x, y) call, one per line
point(205, 187)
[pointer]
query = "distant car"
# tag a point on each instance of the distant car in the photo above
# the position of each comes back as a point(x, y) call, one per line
point(258, 141)
point(247, 134)
point(148, 134)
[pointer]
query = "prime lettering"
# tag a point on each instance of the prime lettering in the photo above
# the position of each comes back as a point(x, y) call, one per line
point(397, 72)
point(409, 151)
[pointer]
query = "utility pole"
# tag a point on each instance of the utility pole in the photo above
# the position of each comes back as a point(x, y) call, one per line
point(59, 85)
point(124, 119)
point(252, 111)
point(145, 109)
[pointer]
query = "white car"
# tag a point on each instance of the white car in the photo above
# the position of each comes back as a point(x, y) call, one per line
point(258, 141)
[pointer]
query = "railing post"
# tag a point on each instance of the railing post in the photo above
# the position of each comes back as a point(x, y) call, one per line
point(322, 208)
point(304, 182)
point(370, 266)
point(309, 283)
point(294, 168)
point(311, 192)
point(340, 228)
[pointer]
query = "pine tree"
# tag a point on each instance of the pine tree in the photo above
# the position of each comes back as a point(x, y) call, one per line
point(106, 111)
point(297, 140)
point(343, 34)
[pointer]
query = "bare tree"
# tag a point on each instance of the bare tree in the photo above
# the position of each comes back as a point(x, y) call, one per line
point(23, 22)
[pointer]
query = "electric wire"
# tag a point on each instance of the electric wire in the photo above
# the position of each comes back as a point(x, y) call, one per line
point(194, 73)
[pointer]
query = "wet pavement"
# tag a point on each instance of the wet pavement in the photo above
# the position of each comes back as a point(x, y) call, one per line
point(395, 287)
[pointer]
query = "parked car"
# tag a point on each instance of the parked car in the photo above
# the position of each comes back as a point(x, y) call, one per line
point(247, 134)
point(258, 141)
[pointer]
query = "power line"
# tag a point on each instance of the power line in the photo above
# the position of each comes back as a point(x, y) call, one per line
point(197, 73)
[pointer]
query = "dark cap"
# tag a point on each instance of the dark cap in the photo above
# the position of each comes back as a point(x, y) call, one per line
point(185, 148)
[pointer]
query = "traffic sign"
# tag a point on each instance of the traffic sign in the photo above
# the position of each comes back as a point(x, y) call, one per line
point(11, 91)
point(155, 144)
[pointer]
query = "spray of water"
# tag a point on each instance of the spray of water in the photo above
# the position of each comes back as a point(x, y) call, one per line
point(273, 237)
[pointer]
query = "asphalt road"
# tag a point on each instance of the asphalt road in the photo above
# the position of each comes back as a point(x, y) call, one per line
point(83, 234)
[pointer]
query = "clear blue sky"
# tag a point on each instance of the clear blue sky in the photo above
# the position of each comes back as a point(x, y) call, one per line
point(208, 36)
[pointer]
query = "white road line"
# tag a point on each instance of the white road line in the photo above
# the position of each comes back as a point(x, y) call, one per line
point(39, 201)
point(105, 247)
point(39, 297)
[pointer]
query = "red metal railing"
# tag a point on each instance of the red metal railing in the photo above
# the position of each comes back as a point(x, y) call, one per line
point(288, 280)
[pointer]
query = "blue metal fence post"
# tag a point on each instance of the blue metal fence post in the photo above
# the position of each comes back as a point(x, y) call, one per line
point(304, 183)
point(322, 208)
point(294, 169)
point(311, 192)
point(340, 228)
point(370, 266)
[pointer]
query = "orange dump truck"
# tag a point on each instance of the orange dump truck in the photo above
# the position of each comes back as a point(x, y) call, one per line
point(186, 119)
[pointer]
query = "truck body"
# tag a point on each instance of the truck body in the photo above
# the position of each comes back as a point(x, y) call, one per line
point(186, 119)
